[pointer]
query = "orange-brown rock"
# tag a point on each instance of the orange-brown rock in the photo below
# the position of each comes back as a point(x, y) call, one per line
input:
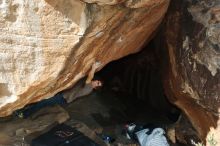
point(46, 46)
point(192, 75)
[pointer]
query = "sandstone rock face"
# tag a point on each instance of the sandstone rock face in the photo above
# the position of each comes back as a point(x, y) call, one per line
point(48, 45)
point(192, 82)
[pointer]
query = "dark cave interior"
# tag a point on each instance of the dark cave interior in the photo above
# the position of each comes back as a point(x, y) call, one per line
point(136, 81)
point(132, 93)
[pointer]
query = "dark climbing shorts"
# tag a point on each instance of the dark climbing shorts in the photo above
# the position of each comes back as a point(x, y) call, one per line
point(25, 112)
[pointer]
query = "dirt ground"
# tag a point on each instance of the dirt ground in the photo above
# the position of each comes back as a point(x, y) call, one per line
point(102, 112)
point(107, 113)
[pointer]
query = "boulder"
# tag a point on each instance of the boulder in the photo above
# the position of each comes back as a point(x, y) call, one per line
point(191, 40)
point(15, 131)
point(46, 46)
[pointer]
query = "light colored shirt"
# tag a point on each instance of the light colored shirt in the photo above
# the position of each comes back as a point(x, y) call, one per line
point(78, 90)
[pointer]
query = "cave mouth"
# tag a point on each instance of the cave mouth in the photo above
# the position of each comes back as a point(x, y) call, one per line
point(132, 93)
point(137, 82)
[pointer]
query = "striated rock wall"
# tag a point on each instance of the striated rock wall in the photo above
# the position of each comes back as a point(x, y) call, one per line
point(192, 40)
point(46, 46)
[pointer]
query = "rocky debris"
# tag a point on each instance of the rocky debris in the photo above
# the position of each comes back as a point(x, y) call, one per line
point(14, 131)
point(184, 132)
point(109, 112)
point(5, 139)
point(46, 46)
point(191, 73)
point(171, 134)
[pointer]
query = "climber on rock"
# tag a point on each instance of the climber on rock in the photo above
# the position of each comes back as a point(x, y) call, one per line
point(82, 88)
point(62, 98)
